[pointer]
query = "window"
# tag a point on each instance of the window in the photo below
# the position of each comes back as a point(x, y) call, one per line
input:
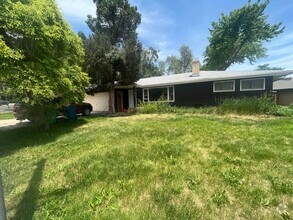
point(252, 84)
point(145, 95)
point(166, 94)
point(224, 86)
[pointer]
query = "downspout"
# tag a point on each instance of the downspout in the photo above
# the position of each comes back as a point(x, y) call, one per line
point(134, 97)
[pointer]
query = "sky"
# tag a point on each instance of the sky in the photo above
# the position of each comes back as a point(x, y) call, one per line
point(166, 25)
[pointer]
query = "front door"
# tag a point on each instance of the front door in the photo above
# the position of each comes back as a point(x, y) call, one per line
point(120, 101)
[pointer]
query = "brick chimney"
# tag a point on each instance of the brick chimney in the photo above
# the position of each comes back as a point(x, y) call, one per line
point(195, 67)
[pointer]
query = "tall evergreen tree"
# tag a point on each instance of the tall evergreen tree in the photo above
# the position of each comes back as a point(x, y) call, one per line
point(182, 64)
point(116, 57)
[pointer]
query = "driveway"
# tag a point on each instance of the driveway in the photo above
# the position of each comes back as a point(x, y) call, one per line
point(13, 123)
point(6, 108)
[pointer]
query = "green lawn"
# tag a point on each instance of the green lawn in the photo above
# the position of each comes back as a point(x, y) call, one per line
point(6, 115)
point(150, 167)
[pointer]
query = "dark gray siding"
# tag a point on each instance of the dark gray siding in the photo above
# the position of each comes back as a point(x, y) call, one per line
point(200, 94)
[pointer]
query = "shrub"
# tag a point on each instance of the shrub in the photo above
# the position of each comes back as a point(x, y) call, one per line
point(240, 106)
point(286, 111)
point(247, 105)
point(153, 107)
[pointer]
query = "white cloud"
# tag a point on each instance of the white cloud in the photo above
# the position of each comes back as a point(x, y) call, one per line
point(282, 40)
point(154, 27)
point(78, 9)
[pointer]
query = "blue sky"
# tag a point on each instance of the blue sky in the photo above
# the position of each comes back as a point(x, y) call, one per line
point(166, 25)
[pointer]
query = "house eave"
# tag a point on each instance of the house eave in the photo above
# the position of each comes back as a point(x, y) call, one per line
point(284, 73)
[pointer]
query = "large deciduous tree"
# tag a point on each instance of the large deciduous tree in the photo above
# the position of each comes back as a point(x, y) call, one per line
point(40, 56)
point(113, 50)
point(182, 64)
point(267, 67)
point(186, 58)
point(149, 64)
point(240, 36)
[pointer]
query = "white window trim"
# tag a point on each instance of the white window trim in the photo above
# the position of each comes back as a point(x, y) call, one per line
point(166, 87)
point(264, 84)
point(214, 87)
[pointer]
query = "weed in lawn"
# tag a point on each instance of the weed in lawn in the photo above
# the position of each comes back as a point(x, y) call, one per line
point(233, 176)
point(104, 200)
point(193, 182)
point(281, 186)
point(219, 197)
point(236, 161)
point(257, 197)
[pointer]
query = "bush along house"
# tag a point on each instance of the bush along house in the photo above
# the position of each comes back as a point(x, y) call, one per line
point(203, 88)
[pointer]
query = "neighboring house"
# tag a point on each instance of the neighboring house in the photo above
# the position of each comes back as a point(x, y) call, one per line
point(198, 88)
point(284, 89)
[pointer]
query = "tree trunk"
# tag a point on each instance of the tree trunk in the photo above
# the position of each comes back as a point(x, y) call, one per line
point(111, 97)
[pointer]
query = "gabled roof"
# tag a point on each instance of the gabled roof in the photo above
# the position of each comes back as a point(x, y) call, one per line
point(286, 83)
point(206, 76)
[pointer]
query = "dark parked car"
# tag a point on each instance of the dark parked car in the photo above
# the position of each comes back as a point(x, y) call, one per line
point(20, 110)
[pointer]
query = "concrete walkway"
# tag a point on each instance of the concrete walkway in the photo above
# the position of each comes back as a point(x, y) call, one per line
point(13, 123)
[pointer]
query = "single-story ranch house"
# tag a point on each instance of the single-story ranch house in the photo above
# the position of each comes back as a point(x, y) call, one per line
point(198, 88)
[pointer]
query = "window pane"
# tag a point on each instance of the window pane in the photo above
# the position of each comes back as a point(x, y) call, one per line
point(252, 84)
point(171, 94)
point(145, 95)
point(224, 86)
point(158, 93)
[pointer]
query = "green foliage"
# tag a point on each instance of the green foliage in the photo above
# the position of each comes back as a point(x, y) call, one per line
point(219, 197)
point(247, 105)
point(240, 106)
point(186, 58)
point(240, 36)
point(162, 106)
point(173, 65)
point(149, 65)
point(42, 115)
point(116, 19)
point(254, 105)
point(180, 65)
point(104, 200)
point(233, 176)
point(279, 110)
point(154, 107)
point(281, 186)
point(267, 67)
point(113, 51)
point(40, 55)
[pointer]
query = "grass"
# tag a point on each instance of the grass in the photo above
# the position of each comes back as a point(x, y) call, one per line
point(6, 115)
point(166, 166)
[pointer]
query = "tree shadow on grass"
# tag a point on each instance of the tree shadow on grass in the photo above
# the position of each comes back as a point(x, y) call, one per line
point(15, 139)
point(27, 205)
